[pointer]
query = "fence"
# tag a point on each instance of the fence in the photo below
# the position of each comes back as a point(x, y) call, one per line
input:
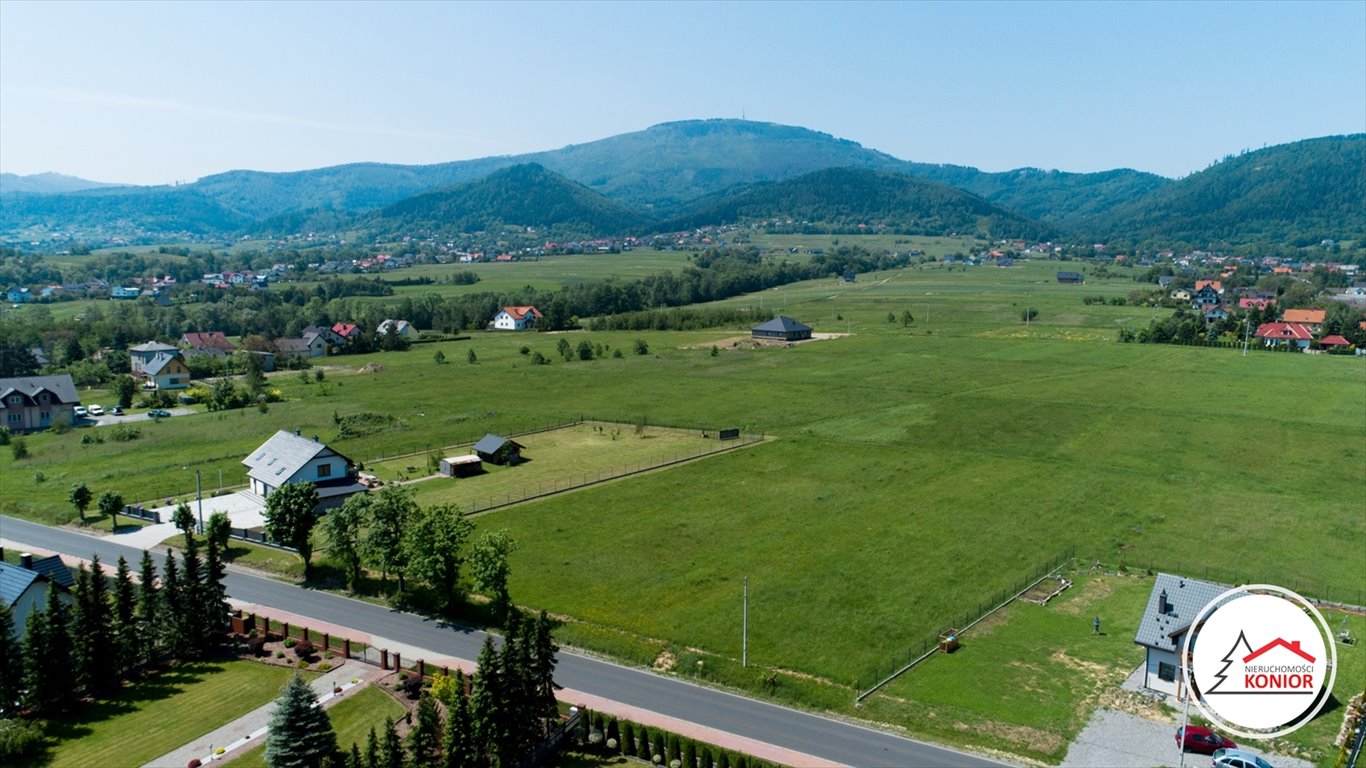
point(918, 652)
point(1350, 598)
point(136, 510)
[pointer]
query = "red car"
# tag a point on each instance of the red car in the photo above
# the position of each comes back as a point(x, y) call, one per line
point(1202, 740)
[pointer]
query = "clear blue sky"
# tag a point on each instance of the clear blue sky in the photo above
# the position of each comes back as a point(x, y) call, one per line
point(157, 92)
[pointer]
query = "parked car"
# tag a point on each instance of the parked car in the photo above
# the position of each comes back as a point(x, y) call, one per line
point(97, 410)
point(1198, 738)
point(1237, 758)
point(81, 412)
point(159, 413)
point(118, 411)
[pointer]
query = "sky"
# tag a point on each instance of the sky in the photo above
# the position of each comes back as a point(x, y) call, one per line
point(154, 93)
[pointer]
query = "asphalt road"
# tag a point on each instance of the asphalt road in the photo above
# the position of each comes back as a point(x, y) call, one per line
point(807, 733)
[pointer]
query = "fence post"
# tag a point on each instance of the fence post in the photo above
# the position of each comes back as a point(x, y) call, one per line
point(286, 630)
point(398, 662)
point(384, 658)
point(346, 646)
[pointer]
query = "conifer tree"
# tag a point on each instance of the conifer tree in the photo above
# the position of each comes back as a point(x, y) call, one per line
point(35, 661)
point(92, 630)
point(172, 625)
point(372, 750)
point(192, 618)
point(353, 758)
point(55, 667)
point(11, 663)
point(543, 671)
point(489, 697)
point(124, 619)
point(424, 739)
point(300, 734)
point(149, 630)
point(391, 750)
point(214, 596)
point(460, 744)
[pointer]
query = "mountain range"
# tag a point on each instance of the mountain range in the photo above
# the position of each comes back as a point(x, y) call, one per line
point(701, 172)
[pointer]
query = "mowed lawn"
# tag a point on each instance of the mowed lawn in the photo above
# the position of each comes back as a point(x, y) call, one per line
point(554, 460)
point(155, 716)
point(352, 718)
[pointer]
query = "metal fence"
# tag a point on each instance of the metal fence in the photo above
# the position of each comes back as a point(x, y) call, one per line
point(918, 652)
point(1318, 591)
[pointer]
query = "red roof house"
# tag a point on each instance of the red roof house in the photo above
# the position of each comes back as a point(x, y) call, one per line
point(1285, 334)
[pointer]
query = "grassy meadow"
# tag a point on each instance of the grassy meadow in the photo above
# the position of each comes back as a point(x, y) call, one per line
point(913, 470)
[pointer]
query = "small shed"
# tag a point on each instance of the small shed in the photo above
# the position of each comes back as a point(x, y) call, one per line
point(781, 328)
point(496, 449)
point(1075, 278)
point(461, 466)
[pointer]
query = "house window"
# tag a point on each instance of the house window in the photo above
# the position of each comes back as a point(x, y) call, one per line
point(15, 418)
point(16, 399)
point(324, 470)
point(46, 416)
point(1166, 671)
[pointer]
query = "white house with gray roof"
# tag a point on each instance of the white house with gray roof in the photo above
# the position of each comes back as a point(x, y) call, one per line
point(1172, 607)
point(288, 457)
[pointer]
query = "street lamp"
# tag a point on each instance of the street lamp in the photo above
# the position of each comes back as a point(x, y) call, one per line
point(199, 499)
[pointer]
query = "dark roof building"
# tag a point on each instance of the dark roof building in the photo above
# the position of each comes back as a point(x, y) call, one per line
point(1170, 614)
point(289, 458)
point(781, 328)
point(37, 402)
point(1071, 277)
point(497, 449)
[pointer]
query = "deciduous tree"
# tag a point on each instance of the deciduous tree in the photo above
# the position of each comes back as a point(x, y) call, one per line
point(435, 546)
point(80, 497)
point(290, 518)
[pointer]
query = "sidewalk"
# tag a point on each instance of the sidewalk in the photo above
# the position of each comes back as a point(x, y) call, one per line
point(248, 731)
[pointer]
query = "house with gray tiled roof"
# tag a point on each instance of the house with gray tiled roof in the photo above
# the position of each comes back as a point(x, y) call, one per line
point(781, 328)
point(37, 402)
point(288, 457)
point(24, 587)
point(1172, 607)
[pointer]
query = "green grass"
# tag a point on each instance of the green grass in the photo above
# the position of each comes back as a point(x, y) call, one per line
point(155, 716)
point(913, 471)
point(352, 718)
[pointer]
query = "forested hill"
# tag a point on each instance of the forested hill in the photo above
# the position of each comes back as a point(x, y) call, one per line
point(852, 199)
point(46, 183)
point(526, 195)
point(1296, 194)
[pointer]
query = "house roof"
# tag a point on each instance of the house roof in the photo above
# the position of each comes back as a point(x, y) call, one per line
point(1334, 340)
point(207, 340)
point(493, 443)
point(1070, 276)
point(62, 387)
point(156, 365)
point(283, 455)
point(345, 329)
point(1293, 331)
point(152, 347)
point(520, 312)
point(1303, 316)
point(782, 324)
point(14, 581)
point(292, 345)
point(398, 326)
point(53, 569)
point(1185, 599)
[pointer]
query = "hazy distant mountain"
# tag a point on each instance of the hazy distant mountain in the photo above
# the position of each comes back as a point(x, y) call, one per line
point(673, 168)
point(523, 195)
point(1299, 193)
point(46, 183)
point(845, 199)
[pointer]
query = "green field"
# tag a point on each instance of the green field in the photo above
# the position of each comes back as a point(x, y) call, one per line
point(153, 717)
point(912, 471)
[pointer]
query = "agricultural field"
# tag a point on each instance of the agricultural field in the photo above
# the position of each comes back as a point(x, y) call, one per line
point(913, 468)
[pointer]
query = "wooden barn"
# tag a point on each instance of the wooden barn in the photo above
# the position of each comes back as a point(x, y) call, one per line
point(781, 328)
point(461, 466)
point(496, 449)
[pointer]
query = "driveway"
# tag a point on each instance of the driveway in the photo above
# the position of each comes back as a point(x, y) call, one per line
point(107, 419)
point(245, 509)
point(1120, 740)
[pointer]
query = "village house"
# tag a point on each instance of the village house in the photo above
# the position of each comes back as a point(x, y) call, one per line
point(781, 328)
point(304, 348)
point(1071, 278)
point(18, 295)
point(496, 449)
point(1285, 335)
point(400, 327)
point(288, 458)
point(37, 402)
point(24, 587)
point(1313, 318)
point(208, 342)
point(158, 366)
point(330, 337)
point(1169, 615)
point(516, 318)
point(349, 332)
point(1181, 294)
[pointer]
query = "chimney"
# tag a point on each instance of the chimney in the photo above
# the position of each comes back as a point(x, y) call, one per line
point(26, 560)
point(1162, 604)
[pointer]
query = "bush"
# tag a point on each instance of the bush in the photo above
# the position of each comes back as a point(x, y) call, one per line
point(194, 763)
point(4, 435)
point(641, 347)
point(290, 642)
point(411, 687)
point(256, 644)
point(20, 742)
point(304, 649)
point(19, 448)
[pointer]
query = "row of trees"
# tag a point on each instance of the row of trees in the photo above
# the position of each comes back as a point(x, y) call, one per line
point(507, 712)
point(107, 632)
point(390, 532)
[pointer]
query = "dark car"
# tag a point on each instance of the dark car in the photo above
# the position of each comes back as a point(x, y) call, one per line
point(1202, 740)
point(159, 413)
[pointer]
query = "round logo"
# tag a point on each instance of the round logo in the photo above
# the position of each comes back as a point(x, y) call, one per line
point(1261, 661)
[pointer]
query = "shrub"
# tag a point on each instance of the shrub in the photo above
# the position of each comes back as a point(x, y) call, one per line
point(194, 763)
point(412, 687)
point(304, 649)
point(4, 435)
point(19, 447)
point(641, 347)
point(290, 642)
point(256, 645)
point(279, 654)
point(20, 742)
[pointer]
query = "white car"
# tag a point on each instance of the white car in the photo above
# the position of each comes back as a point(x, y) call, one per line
point(81, 412)
point(97, 410)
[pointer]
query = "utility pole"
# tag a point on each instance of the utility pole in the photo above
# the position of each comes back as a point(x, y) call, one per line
point(199, 496)
point(1246, 328)
point(744, 628)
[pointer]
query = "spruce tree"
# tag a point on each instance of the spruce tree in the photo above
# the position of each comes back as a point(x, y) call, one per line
point(192, 619)
point(149, 631)
point(92, 630)
point(11, 663)
point(391, 750)
point(424, 739)
point(300, 734)
point(353, 758)
point(35, 662)
point(172, 624)
point(124, 619)
point(58, 670)
point(543, 670)
point(489, 698)
point(372, 750)
point(460, 744)
point(214, 596)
